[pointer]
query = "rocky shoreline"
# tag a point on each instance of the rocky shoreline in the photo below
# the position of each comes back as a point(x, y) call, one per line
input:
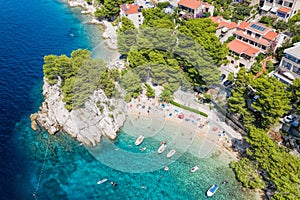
point(100, 116)
point(109, 33)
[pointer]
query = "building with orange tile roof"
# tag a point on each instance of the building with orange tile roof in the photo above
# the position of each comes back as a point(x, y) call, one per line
point(283, 9)
point(132, 12)
point(243, 49)
point(257, 35)
point(225, 28)
point(196, 8)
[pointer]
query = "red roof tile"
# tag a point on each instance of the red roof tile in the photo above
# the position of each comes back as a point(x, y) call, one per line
point(216, 19)
point(193, 4)
point(228, 25)
point(241, 47)
point(130, 8)
point(284, 9)
point(243, 25)
point(271, 35)
point(260, 41)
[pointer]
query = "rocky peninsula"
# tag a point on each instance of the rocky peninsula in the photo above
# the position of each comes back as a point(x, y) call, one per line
point(87, 124)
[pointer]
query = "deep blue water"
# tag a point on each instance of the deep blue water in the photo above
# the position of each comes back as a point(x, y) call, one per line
point(34, 165)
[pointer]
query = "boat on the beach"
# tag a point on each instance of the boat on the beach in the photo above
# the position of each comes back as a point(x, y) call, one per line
point(212, 190)
point(162, 147)
point(171, 153)
point(139, 140)
point(195, 168)
point(102, 181)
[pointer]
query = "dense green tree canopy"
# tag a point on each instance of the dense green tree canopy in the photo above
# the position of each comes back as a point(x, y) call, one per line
point(273, 101)
point(126, 36)
point(80, 76)
point(131, 83)
point(296, 95)
point(240, 93)
point(110, 8)
point(282, 168)
point(203, 32)
point(166, 55)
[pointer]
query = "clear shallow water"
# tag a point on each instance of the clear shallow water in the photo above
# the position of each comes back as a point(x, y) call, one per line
point(57, 167)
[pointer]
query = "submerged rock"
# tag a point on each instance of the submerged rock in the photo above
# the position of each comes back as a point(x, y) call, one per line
point(86, 124)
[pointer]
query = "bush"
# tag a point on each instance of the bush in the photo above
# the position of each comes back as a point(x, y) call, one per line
point(267, 20)
point(230, 39)
point(256, 67)
point(188, 108)
point(163, 5)
point(270, 66)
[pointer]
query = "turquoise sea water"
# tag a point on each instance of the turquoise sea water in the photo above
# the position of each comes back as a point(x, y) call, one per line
point(35, 165)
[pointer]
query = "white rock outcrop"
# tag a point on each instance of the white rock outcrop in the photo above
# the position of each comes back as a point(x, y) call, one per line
point(86, 124)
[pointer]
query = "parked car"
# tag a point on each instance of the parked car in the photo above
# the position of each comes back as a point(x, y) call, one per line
point(223, 76)
point(200, 89)
point(289, 118)
point(255, 98)
point(227, 83)
point(228, 93)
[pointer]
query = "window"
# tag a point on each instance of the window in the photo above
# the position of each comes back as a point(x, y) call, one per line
point(288, 4)
point(286, 65)
point(296, 70)
point(292, 58)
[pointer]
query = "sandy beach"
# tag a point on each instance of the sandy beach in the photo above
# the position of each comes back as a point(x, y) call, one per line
point(181, 129)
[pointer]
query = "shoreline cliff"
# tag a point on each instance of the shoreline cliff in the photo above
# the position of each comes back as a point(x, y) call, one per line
point(87, 124)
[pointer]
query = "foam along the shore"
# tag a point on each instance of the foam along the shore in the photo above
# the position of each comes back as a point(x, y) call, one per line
point(87, 9)
point(109, 32)
point(194, 133)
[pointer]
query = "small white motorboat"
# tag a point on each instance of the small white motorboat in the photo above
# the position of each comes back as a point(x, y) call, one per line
point(171, 153)
point(162, 148)
point(212, 190)
point(139, 140)
point(195, 168)
point(102, 181)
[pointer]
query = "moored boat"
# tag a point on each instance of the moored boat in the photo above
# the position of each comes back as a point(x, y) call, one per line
point(212, 190)
point(171, 153)
point(162, 148)
point(195, 168)
point(102, 181)
point(139, 140)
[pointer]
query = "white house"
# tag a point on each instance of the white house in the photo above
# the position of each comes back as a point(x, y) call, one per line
point(196, 8)
point(225, 28)
point(132, 12)
point(283, 9)
point(289, 68)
